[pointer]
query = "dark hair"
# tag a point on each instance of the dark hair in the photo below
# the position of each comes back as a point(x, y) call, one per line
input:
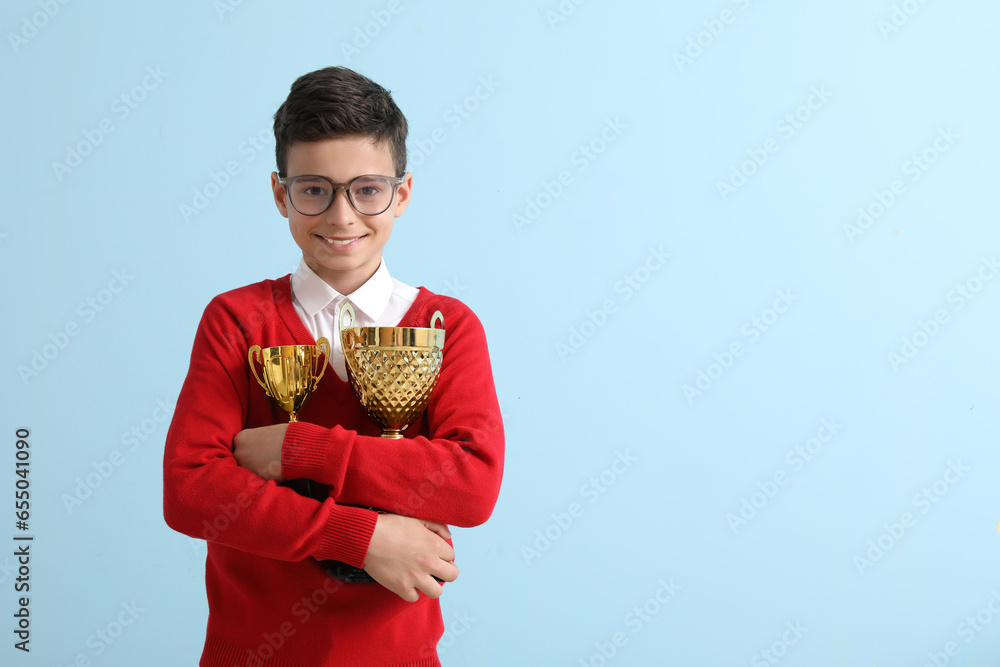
point(338, 102)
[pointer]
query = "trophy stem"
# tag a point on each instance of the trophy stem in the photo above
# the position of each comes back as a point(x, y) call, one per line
point(291, 417)
point(392, 433)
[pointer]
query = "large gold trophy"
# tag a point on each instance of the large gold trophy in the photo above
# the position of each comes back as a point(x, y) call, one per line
point(291, 372)
point(393, 370)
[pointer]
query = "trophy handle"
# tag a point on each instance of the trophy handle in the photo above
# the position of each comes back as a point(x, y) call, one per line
point(349, 309)
point(437, 317)
point(253, 367)
point(323, 344)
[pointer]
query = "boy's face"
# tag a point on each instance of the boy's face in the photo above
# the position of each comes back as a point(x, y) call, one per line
point(342, 246)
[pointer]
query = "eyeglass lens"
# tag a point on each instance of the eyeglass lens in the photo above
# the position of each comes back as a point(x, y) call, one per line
point(311, 195)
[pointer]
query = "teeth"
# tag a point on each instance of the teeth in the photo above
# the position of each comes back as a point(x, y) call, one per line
point(340, 242)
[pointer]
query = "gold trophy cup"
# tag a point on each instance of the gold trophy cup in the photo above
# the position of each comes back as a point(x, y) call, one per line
point(291, 372)
point(393, 370)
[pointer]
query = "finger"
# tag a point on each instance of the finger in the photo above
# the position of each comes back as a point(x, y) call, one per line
point(409, 594)
point(430, 588)
point(438, 528)
point(446, 572)
point(446, 553)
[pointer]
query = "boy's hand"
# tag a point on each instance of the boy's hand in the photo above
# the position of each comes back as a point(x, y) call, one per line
point(405, 555)
point(259, 450)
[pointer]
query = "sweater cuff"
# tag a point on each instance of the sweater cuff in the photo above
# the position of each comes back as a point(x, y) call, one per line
point(317, 453)
point(347, 535)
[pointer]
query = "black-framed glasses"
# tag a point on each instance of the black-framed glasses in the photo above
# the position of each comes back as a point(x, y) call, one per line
point(313, 195)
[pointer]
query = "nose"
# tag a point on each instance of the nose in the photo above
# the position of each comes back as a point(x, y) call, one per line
point(341, 211)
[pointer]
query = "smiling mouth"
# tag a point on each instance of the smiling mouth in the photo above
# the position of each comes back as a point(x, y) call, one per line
point(341, 242)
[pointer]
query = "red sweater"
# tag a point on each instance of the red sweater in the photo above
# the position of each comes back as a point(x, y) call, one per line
point(270, 602)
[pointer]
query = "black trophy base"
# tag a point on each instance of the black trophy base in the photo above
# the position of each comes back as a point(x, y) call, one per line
point(346, 573)
point(336, 569)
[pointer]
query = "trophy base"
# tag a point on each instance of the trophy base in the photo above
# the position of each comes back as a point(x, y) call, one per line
point(346, 573)
point(334, 568)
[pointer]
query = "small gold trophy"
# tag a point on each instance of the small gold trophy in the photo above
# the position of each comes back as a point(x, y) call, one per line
point(393, 370)
point(291, 372)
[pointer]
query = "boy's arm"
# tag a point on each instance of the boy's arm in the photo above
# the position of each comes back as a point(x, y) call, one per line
point(452, 477)
point(207, 495)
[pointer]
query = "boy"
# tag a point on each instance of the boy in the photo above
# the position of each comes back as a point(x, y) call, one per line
point(341, 181)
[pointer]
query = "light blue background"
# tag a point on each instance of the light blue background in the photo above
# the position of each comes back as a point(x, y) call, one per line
point(569, 411)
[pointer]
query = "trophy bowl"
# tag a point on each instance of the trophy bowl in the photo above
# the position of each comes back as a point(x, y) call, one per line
point(291, 372)
point(393, 370)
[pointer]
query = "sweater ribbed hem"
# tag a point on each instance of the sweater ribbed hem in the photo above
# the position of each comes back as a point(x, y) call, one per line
point(305, 453)
point(221, 653)
point(347, 535)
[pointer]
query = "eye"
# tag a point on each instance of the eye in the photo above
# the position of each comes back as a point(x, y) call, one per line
point(368, 187)
point(311, 187)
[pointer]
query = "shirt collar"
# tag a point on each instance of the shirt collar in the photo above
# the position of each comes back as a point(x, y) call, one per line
point(314, 294)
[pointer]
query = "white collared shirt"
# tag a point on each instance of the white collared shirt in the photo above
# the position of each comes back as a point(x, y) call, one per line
point(380, 302)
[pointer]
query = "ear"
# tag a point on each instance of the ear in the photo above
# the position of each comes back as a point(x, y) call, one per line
point(403, 194)
point(280, 195)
